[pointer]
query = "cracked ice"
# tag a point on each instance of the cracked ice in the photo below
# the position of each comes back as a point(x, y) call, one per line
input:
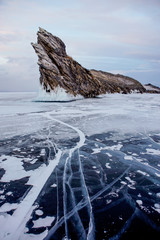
point(86, 169)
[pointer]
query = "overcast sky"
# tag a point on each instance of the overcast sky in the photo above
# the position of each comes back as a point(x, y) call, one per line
point(118, 36)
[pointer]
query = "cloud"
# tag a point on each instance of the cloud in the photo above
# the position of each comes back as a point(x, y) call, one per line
point(125, 72)
point(121, 34)
point(150, 55)
point(3, 60)
point(18, 74)
point(9, 36)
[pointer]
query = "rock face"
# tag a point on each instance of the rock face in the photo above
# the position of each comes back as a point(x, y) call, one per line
point(117, 82)
point(151, 88)
point(57, 69)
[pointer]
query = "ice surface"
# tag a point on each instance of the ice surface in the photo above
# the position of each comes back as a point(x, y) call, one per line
point(85, 169)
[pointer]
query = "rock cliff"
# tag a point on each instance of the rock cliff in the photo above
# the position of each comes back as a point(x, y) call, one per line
point(117, 82)
point(57, 69)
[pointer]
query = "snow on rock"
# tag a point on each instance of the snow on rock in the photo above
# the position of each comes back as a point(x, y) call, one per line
point(57, 69)
point(58, 95)
point(151, 88)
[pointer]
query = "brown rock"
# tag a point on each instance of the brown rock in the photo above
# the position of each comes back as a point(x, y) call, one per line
point(117, 82)
point(58, 69)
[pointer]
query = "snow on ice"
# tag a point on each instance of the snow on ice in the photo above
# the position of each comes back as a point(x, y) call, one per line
point(84, 169)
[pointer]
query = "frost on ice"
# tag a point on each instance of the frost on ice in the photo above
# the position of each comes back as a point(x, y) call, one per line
point(85, 169)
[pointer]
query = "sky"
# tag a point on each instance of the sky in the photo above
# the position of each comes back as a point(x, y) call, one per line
point(117, 36)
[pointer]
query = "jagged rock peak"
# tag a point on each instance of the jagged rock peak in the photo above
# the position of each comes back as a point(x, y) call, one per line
point(57, 69)
point(60, 71)
point(47, 39)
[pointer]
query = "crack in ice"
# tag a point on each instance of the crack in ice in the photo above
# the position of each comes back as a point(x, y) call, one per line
point(90, 234)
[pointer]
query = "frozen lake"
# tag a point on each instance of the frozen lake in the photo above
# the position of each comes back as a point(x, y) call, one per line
point(86, 169)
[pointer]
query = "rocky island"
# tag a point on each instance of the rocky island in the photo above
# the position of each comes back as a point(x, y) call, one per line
point(60, 71)
point(150, 88)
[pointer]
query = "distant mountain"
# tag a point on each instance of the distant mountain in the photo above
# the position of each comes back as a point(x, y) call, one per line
point(58, 70)
point(151, 88)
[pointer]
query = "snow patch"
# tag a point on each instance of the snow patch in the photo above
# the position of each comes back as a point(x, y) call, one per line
point(124, 183)
point(13, 169)
point(151, 88)
point(158, 195)
point(130, 180)
point(107, 165)
point(43, 222)
point(156, 207)
point(108, 154)
point(128, 157)
point(157, 174)
point(115, 147)
point(96, 150)
point(54, 185)
point(8, 207)
point(143, 173)
point(112, 148)
point(39, 212)
point(153, 151)
point(139, 202)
